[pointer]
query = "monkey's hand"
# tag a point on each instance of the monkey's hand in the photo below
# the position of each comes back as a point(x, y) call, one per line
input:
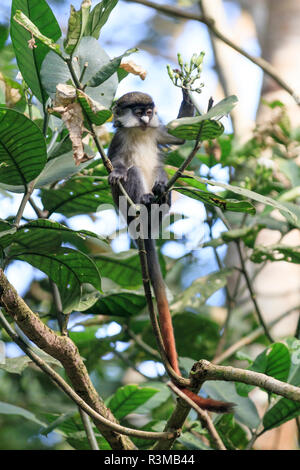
point(159, 190)
point(117, 175)
point(147, 199)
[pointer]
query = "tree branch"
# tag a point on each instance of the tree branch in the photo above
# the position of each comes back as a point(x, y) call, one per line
point(204, 370)
point(209, 22)
point(64, 350)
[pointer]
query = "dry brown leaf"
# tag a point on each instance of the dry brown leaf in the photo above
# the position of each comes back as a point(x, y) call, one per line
point(71, 113)
point(131, 67)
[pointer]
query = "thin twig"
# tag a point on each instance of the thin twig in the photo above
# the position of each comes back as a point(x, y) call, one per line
point(203, 416)
point(88, 429)
point(252, 293)
point(25, 199)
point(247, 277)
point(210, 23)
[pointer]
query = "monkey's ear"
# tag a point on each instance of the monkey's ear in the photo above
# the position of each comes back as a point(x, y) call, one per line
point(164, 138)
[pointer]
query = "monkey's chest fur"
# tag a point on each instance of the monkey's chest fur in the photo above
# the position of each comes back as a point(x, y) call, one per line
point(143, 153)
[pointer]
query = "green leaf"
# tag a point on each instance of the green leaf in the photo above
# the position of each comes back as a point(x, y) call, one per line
point(16, 365)
point(96, 113)
point(129, 398)
point(24, 21)
point(200, 290)
point(44, 234)
point(119, 303)
point(233, 205)
point(191, 442)
point(22, 148)
point(6, 228)
point(98, 17)
point(122, 268)
point(249, 194)
point(79, 441)
point(206, 124)
point(90, 347)
point(61, 167)
point(55, 71)
point(76, 26)
point(68, 268)
point(280, 413)
point(8, 409)
point(108, 69)
point(284, 409)
point(79, 195)
point(276, 253)
point(203, 130)
point(232, 434)
point(274, 361)
point(30, 60)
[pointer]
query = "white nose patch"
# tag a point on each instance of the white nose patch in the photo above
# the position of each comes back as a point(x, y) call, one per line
point(145, 119)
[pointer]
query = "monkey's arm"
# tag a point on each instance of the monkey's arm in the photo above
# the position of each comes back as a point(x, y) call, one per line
point(187, 109)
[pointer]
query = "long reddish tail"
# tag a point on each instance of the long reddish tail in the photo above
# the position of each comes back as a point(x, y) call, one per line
point(167, 331)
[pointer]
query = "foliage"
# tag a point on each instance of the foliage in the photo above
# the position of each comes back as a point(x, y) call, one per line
point(36, 151)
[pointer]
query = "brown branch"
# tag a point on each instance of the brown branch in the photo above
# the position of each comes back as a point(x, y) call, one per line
point(64, 350)
point(209, 22)
point(62, 384)
point(204, 370)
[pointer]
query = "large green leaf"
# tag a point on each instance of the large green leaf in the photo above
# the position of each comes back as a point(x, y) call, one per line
point(268, 201)
point(207, 197)
point(61, 167)
point(16, 365)
point(8, 409)
point(98, 17)
point(54, 71)
point(22, 148)
point(119, 303)
point(68, 268)
point(129, 398)
point(280, 413)
point(30, 60)
point(274, 361)
point(205, 130)
point(284, 409)
point(232, 434)
point(205, 126)
point(123, 268)
point(44, 234)
point(107, 70)
point(79, 195)
point(76, 25)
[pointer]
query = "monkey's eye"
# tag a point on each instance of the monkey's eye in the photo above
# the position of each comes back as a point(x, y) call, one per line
point(138, 112)
point(149, 112)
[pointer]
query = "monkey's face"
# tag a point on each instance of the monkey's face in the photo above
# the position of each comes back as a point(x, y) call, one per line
point(136, 110)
